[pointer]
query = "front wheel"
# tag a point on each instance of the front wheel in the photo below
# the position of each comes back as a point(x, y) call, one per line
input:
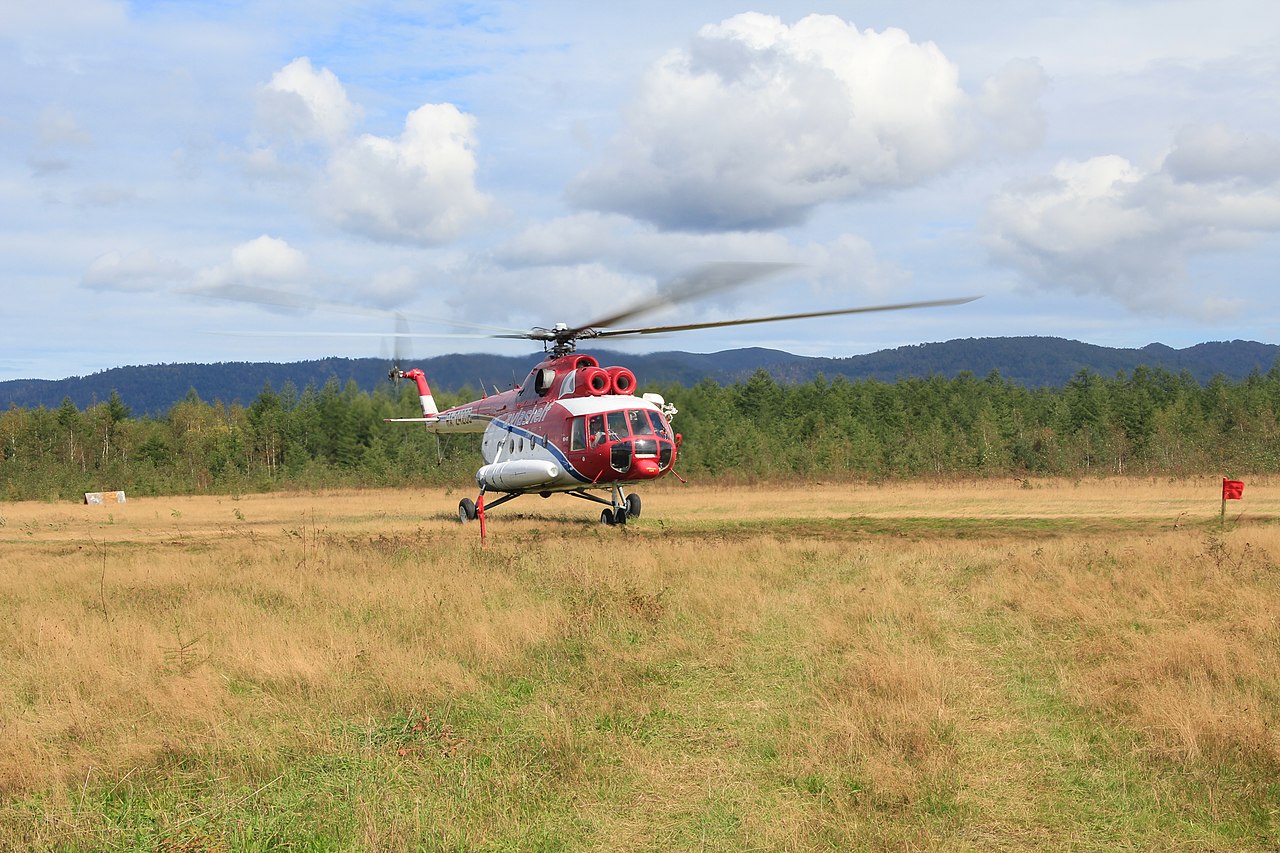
point(633, 505)
point(606, 517)
point(466, 510)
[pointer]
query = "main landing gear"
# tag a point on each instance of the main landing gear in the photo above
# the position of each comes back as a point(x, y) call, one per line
point(619, 510)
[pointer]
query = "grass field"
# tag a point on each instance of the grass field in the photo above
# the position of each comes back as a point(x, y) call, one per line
point(1085, 665)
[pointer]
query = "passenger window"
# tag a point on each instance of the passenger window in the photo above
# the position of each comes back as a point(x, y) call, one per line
point(618, 425)
point(578, 437)
point(639, 422)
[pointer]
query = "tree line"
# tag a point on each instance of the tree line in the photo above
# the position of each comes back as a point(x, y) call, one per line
point(1146, 422)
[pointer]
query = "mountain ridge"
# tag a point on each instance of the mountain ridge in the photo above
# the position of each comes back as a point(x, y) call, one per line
point(1030, 361)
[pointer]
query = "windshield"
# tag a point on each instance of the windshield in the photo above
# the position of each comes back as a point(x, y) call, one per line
point(639, 422)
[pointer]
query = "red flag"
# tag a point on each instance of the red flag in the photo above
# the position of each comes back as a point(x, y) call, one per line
point(1232, 490)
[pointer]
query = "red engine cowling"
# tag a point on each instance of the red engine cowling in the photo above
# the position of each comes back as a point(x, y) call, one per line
point(622, 380)
point(593, 381)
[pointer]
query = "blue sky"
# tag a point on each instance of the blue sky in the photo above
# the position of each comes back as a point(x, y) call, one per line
point(1102, 171)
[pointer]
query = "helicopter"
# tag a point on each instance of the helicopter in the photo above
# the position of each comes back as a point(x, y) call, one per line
point(576, 427)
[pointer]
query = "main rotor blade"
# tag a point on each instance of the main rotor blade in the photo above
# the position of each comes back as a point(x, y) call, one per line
point(708, 279)
point(687, 327)
point(469, 336)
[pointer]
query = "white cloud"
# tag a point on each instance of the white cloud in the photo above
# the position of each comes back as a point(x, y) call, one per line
point(759, 122)
point(262, 262)
point(1107, 226)
point(419, 188)
point(135, 272)
point(303, 104)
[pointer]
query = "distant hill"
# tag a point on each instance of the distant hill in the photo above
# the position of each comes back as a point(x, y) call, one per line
point(1029, 361)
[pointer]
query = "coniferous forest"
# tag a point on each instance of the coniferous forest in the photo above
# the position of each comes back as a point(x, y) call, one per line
point(1144, 422)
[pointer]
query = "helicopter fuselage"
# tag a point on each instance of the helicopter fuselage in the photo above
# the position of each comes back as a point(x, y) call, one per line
point(572, 426)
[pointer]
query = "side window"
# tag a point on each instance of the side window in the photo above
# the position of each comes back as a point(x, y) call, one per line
point(658, 426)
point(618, 426)
point(595, 429)
point(578, 437)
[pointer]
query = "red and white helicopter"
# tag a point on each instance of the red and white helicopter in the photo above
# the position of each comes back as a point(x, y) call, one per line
point(577, 427)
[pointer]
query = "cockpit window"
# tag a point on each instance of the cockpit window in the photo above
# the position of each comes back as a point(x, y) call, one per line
point(617, 425)
point(658, 426)
point(639, 422)
point(595, 430)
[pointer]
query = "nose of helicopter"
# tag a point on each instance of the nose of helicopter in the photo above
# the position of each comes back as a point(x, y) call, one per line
point(644, 469)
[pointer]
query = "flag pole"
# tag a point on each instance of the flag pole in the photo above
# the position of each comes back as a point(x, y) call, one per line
point(1222, 515)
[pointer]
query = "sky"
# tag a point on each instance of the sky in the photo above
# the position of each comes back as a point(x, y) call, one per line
point(278, 181)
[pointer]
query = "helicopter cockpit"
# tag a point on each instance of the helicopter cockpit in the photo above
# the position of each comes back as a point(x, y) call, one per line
point(629, 434)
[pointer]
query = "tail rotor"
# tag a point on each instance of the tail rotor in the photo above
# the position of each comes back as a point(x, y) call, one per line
point(400, 350)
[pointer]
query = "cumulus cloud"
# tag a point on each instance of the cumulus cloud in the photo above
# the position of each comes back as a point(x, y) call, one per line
point(262, 263)
point(419, 188)
point(303, 104)
point(758, 122)
point(1107, 226)
point(134, 272)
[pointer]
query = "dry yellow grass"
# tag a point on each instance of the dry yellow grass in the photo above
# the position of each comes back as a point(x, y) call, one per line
point(973, 665)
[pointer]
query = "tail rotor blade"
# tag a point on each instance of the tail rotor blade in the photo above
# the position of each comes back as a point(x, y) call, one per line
point(400, 349)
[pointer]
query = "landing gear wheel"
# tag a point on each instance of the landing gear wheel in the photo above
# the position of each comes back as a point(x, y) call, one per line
point(633, 506)
point(620, 515)
point(466, 510)
point(606, 517)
